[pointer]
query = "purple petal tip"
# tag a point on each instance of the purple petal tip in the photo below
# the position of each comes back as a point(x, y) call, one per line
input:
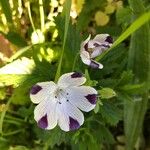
point(109, 39)
point(74, 124)
point(43, 123)
point(35, 89)
point(91, 98)
point(94, 65)
point(86, 46)
point(76, 75)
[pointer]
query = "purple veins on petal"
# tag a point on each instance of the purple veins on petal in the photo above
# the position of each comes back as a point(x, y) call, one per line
point(91, 98)
point(35, 89)
point(96, 44)
point(43, 123)
point(94, 64)
point(73, 124)
point(109, 39)
point(76, 75)
point(104, 45)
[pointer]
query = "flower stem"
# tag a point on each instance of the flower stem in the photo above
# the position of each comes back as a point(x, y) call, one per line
point(41, 15)
point(3, 116)
point(30, 16)
point(13, 132)
point(74, 62)
point(67, 8)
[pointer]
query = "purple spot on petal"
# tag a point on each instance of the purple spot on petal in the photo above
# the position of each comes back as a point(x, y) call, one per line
point(76, 75)
point(43, 123)
point(73, 124)
point(86, 46)
point(91, 98)
point(94, 65)
point(35, 89)
point(109, 39)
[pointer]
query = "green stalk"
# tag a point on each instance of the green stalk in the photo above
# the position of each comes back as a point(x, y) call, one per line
point(74, 62)
point(41, 15)
point(3, 116)
point(139, 63)
point(30, 16)
point(13, 132)
point(132, 28)
point(67, 8)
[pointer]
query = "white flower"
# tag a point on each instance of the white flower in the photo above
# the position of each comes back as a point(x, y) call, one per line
point(92, 48)
point(61, 103)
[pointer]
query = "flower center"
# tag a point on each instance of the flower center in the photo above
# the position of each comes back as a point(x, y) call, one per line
point(61, 96)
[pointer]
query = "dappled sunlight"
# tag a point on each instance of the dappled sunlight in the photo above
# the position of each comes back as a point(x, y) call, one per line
point(20, 66)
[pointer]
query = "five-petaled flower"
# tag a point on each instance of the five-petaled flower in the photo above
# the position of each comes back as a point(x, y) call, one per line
point(61, 103)
point(92, 48)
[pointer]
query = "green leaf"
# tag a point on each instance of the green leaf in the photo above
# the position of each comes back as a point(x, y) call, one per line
point(2, 93)
point(106, 93)
point(66, 11)
point(4, 144)
point(11, 79)
point(53, 138)
point(110, 113)
point(19, 66)
point(85, 15)
point(18, 147)
point(104, 135)
point(96, 109)
point(19, 53)
point(89, 82)
point(21, 94)
point(126, 78)
point(134, 88)
point(139, 63)
point(7, 10)
point(16, 39)
point(132, 28)
point(123, 16)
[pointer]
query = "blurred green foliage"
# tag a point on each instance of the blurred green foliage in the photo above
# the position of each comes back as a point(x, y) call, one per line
point(34, 37)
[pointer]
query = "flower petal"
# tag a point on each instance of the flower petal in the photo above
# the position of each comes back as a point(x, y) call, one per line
point(69, 116)
point(96, 65)
point(103, 38)
point(45, 114)
point(86, 60)
point(85, 57)
point(96, 52)
point(83, 97)
point(41, 91)
point(84, 44)
point(71, 79)
point(63, 119)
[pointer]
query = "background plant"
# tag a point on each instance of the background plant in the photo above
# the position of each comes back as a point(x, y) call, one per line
point(39, 42)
